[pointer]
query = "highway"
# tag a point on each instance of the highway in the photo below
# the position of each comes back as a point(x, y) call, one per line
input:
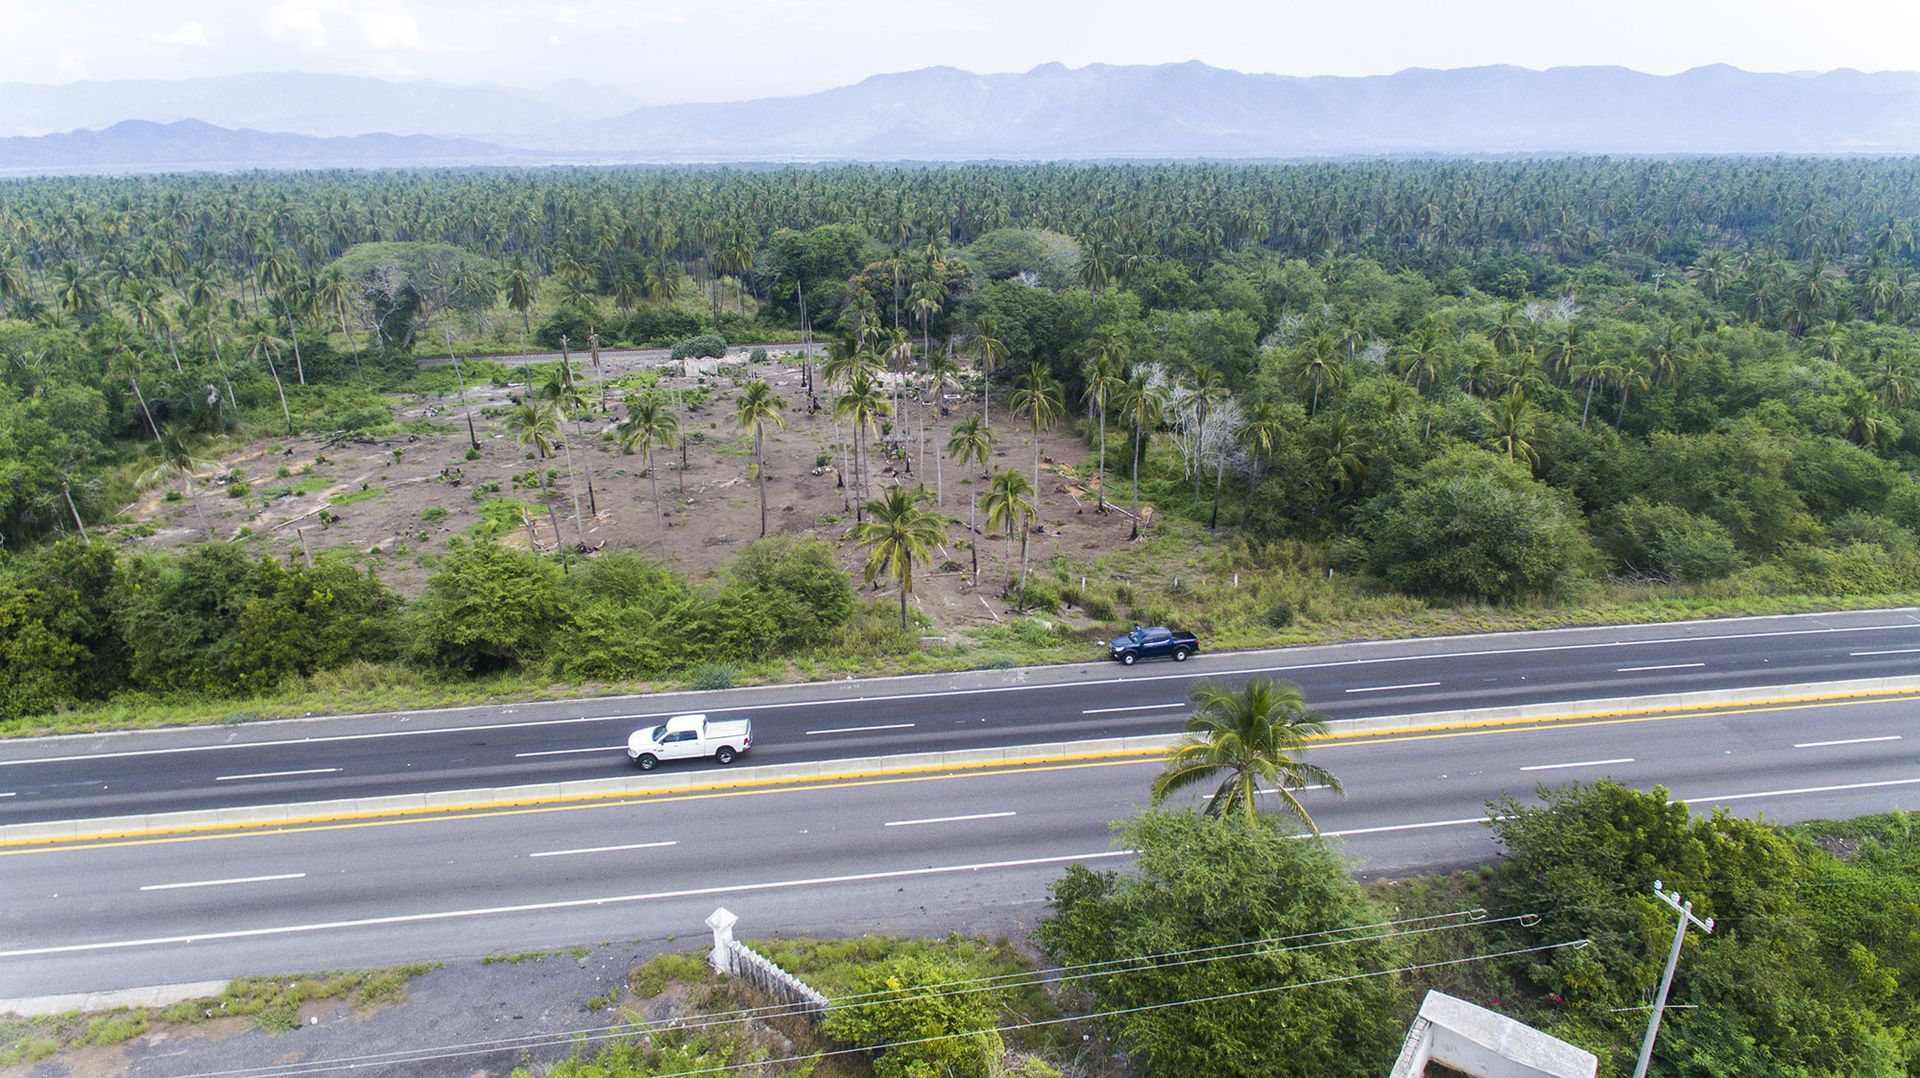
point(411, 752)
point(926, 854)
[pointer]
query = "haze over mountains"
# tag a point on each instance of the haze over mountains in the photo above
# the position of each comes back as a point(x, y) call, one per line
point(940, 113)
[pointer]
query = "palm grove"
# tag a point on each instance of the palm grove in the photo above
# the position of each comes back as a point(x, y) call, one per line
point(1508, 383)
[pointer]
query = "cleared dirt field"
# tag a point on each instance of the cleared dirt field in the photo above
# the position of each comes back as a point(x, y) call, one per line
point(395, 501)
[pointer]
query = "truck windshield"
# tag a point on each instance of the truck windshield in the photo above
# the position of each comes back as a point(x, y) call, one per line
point(659, 733)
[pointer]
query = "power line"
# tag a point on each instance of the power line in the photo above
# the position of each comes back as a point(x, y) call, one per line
point(324, 1066)
point(1468, 918)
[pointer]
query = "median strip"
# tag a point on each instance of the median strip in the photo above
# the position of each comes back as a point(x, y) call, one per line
point(260, 817)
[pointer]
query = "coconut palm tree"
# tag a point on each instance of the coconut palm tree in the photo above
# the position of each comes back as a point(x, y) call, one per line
point(649, 425)
point(1038, 397)
point(523, 288)
point(941, 369)
point(989, 352)
point(1318, 365)
point(1207, 391)
point(1143, 401)
point(176, 458)
point(1247, 737)
point(261, 345)
point(1105, 376)
point(1010, 506)
point(757, 407)
point(1343, 454)
point(537, 427)
point(898, 531)
point(862, 405)
point(972, 443)
point(1513, 427)
point(561, 388)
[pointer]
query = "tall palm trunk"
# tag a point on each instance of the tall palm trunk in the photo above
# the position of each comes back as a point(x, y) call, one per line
point(1025, 532)
point(274, 370)
point(1036, 465)
point(1588, 405)
point(148, 412)
point(1008, 590)
point(760, 471)
point(659, 514)
point(573, 487)
point(67, 492)
point(973, 533)
point(1100, 474)
point(293, 335)
point(1136, 485)
point(358, 371)
point(1219, 473)
point(186, 476)
point(1199, 447)
point(546, 498)
point(173, 352)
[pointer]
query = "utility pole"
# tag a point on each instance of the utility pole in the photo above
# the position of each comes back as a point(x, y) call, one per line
point(1685, 909)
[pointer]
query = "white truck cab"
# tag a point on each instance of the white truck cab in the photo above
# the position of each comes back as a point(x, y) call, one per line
point(690, 737)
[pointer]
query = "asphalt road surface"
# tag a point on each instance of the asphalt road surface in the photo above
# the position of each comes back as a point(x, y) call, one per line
point(413, 752)
point(919, 854)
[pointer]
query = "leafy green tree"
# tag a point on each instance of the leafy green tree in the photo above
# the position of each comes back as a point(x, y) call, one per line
point(1252, 912)
point(489, 608)
point(39, 667)
point(1252, 735)
point(810, 595)
point(1474, 526)
point(898, 531)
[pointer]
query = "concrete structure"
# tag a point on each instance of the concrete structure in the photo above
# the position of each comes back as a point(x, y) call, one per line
point(1477, 1042)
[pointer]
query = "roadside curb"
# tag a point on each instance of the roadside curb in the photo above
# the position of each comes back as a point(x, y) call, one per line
point(158, 995)
point(266, 817)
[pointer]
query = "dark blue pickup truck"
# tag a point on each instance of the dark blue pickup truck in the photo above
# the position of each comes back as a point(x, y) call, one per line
point(1154, 643)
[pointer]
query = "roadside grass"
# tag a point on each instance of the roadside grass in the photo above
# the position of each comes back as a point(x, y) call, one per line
point(352, 496)
point(272, 1003)
point(1279, 610)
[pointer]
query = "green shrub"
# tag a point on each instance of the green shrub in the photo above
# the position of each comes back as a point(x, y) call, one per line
point(714, 676)
point(237, 489)
point(706, 345)
point(434, 514)
point(902, 1004)
point(1659, 538)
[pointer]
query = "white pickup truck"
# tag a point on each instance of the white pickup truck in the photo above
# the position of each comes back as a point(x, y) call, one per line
point(690, 737)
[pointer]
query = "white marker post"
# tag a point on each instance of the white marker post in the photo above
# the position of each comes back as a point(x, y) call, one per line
point(722, 921)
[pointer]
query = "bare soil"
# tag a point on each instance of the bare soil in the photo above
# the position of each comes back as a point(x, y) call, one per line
point(368, 495)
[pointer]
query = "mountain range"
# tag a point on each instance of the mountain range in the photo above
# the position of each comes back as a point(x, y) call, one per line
point(1096, 112)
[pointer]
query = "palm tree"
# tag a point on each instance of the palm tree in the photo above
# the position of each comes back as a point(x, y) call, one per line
point(561, 388)
point(1319, 365)
point(1260, 431)
point(1343, 454)
point(989, 352)
point(899, 530)
point(972, 443)
point(537, 427)
point(757, 407)
point(336, 292)
point(1143, 402)
point(523, 287)
point(261, 344)
point(1254, 735)
point(177, 458)
point(1513, 427)
point(942, 369)
point(1010, 505)
point(649, 425)
point(1105, 376)
point(1208, 391)
point(1038, 398)
point(124, 362)
point(863, 405)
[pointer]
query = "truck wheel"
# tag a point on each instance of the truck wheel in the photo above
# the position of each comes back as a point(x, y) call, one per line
point(1179, 655)
point(1127, 657)
point(646, 761)
point(725, 755)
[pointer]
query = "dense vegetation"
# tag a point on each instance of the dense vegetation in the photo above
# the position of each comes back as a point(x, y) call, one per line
point(1809, 970)
point(1480, 382)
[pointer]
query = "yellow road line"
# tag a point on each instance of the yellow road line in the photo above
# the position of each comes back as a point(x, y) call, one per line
point(887, 776)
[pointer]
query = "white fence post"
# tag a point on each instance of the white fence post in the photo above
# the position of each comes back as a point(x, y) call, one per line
point(722, 921)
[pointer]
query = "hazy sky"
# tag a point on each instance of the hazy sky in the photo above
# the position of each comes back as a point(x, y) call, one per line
point(695, 50)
